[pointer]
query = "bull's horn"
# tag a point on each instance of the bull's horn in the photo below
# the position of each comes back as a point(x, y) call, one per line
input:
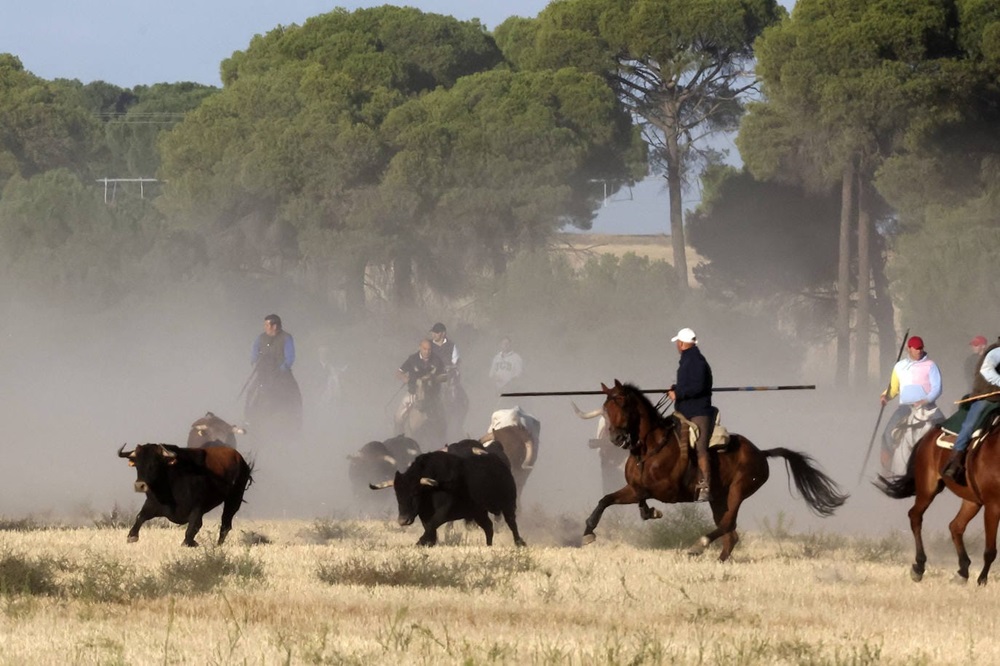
point(488, 437)
point(425, 481)
point(586, 415)
point(389, 459)
point(122, 454)
point(476, 451)
point(529, 457)
point(239, 431)
point(165, 453)
point(381, 486)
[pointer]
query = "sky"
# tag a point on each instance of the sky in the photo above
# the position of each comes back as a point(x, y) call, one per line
point(130, 43)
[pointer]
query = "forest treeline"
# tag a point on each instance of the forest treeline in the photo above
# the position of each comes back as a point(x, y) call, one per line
point(383, 159)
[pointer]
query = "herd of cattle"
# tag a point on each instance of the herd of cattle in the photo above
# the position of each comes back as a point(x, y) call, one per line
point(466, 480)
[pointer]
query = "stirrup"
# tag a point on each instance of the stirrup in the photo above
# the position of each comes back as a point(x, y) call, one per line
point(953, 468)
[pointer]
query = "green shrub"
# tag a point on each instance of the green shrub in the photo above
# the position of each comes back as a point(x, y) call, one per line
point(680, 527)
point(421, 569)
point(207, 570)
point(21, 575)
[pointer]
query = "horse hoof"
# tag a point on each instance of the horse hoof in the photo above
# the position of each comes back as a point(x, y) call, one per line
point(698, 547)
point(656, 513)
point(981, 582)
point(916, 576)
point(132, 538)
point(959, 579)
point(589, 539)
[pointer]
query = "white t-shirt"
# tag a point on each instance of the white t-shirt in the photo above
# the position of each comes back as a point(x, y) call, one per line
point(506, 366)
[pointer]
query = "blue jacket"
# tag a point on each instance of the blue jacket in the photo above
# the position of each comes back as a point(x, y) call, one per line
point(693, 389)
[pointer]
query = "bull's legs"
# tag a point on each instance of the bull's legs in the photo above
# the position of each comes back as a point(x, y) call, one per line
point(442, 507)
point(990, 554)
point(509, 518)
point(957, 526)
point(483, 520)
point(145, 513)
point(229, 509)
point(194, 524)
point(626, 495)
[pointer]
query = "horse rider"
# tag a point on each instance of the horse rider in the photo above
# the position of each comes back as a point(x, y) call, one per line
point(916, 379)
point(275, 394)
point(421, 370)
point(986, 390)
point(444, 348)
point(692, 396)
point(977, 347)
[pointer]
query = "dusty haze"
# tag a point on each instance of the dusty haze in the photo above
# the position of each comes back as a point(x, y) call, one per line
point(77, 383)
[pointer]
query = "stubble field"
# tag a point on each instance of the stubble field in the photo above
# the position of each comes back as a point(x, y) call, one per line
point(359, 592)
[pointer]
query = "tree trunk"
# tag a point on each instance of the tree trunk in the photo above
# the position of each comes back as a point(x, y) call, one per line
point(844, 277)
point(354, 289)
point(882, 310)
point(862, 326)
point(674, 186)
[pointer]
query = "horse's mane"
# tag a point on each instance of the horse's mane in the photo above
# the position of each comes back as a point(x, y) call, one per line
point(654, 414)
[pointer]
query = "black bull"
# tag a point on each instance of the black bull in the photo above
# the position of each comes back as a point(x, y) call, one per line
point(440, 487)
point(182, 485)
point(210, 431)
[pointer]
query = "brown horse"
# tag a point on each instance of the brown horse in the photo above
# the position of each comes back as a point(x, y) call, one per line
point(660, 468)
point(982, 488)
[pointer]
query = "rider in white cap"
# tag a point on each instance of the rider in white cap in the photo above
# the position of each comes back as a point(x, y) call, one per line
point(692, 396)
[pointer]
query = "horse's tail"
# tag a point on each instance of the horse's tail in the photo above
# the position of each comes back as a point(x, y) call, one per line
point(903, 486)
point(820, 492)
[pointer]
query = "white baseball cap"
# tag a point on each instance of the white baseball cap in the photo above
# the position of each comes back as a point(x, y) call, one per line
point(685, 335)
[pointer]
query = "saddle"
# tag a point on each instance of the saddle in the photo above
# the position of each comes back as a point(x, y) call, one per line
point(949, 429)
point(720, 434)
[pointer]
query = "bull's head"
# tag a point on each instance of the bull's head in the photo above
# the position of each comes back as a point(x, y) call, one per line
point(150, 462)
point(127, 454)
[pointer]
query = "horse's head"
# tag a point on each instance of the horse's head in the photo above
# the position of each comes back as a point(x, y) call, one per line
point(623, 415)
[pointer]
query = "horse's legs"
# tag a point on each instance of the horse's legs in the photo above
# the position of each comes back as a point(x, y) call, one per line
point(724, 511)
point(916, 514)
point(647, 512)
point(966, 512)
point(626, 495)
point(992, 518)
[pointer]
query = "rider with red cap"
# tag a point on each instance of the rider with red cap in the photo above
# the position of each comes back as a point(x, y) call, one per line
point(916, 379)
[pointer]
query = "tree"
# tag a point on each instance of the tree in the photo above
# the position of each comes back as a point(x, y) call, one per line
point(843, 81)
point(682, 66)
point(385, 141)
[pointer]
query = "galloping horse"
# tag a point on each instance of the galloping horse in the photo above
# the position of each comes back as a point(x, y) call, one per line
point(923, 479)
point(660, 468)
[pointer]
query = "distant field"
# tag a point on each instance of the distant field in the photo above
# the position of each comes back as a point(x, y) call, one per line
point(655, 246)
point(360, 592)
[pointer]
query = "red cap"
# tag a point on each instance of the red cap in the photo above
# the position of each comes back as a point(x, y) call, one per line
point(978, 341)
point(915, 342)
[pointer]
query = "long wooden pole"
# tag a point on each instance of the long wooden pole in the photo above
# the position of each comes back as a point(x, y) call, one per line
point(881, 410)
point(802, 387)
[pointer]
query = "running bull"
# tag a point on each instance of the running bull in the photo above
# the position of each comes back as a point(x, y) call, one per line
point(441, 487)
point(210, 431)
point(182, 485)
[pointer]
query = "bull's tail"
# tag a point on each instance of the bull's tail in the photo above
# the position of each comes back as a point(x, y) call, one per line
point(820, 492)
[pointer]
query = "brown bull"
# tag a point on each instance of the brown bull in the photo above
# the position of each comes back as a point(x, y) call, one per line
point(210, 431)
point(519, 447)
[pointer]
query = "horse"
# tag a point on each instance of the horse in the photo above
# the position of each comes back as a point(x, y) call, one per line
point(923, 480)
point(660, 467)
point(422, 417)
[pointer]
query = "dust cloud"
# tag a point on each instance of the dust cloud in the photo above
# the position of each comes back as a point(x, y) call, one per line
point(78, 382)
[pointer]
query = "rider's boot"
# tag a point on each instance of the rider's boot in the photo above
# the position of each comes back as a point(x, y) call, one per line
point(954, 466)
point(702, 489)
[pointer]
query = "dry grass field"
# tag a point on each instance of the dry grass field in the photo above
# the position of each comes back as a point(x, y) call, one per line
point(359, 592)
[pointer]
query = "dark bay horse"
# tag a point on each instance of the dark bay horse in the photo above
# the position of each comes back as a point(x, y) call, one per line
point(982, 488)
point(659, 468)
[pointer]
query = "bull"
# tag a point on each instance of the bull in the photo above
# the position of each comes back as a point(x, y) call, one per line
point(612, 457)
point(210, 431)
point(517, 432)
point(380, 460)
point(182, 485)
point(440, 487)
point(471, 447)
